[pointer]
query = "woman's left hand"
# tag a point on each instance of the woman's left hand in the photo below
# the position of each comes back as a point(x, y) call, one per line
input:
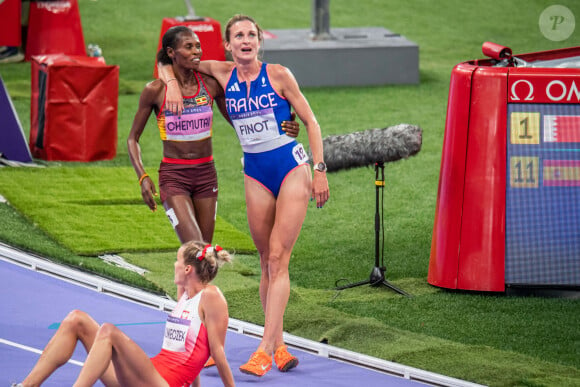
point(320, 191)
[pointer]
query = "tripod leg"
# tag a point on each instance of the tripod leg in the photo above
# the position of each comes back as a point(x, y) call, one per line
point(353, 285)
point(392, 287)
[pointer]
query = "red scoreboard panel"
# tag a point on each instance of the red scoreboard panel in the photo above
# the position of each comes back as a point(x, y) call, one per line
point(508, 204)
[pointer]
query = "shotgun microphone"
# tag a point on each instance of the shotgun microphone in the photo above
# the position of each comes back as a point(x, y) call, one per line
point(372, 146)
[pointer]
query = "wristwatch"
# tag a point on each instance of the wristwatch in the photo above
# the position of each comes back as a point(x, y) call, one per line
point(320, 167)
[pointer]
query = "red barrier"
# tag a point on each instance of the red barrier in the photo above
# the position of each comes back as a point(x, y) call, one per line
point(208, 31)
point(10, 33)
point(73, 108)
point(54, 27)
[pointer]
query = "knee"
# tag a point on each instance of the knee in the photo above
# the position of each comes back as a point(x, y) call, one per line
point(277, 266)
point(106, 331)
point(76, 319)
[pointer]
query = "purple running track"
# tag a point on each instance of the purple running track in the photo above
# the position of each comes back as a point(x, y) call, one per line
point(33, 303)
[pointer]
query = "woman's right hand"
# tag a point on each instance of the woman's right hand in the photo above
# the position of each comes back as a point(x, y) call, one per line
point(174, 98)
point(148, 192)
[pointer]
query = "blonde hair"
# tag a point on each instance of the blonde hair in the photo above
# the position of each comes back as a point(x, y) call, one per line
point(205, 258)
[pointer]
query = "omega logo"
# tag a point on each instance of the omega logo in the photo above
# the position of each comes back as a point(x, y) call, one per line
point(529, 97)
point(555, 91)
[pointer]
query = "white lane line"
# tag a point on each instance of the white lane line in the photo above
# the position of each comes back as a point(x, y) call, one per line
point(31, 349)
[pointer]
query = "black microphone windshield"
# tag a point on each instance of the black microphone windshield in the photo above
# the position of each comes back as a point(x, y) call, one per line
point(371, 146)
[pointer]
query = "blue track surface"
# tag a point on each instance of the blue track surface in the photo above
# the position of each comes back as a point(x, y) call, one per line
point(32, 304)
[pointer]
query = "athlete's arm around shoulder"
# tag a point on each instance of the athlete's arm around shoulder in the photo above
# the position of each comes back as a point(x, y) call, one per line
point(217, 92)
point(213, 86)
point(220, 70)
point(174, 102)
point(215, 316)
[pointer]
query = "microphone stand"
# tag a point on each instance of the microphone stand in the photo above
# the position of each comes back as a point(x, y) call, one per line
point(377, 276)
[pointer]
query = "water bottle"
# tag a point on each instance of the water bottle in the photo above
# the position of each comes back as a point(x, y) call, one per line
point(94, 50)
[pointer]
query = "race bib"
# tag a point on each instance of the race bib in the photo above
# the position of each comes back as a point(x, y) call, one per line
point(299, 154)
point(175, 334)
point(255, 127)
point(193, 124)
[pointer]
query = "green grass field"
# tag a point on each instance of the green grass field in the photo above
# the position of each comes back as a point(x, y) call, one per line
point(72, 212)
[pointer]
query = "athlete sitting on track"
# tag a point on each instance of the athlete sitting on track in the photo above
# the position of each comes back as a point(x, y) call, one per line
point(201, 315)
